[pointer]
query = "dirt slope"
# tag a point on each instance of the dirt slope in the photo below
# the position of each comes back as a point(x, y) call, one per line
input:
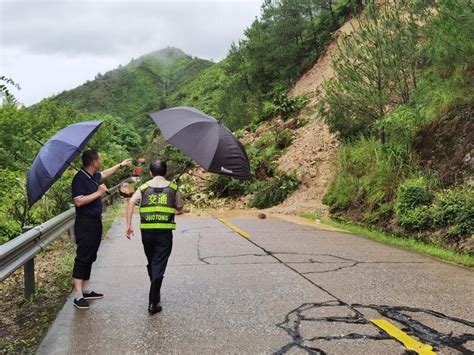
point(314, 150)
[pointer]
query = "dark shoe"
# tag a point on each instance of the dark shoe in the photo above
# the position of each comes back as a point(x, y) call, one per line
point(92, 295)
point(154, 309)
point(81, 303)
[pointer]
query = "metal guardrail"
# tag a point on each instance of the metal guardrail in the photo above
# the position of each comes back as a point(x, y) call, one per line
point(22, 250)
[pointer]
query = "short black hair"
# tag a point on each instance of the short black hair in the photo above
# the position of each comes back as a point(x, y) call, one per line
point(158, 167)
point(89, 156)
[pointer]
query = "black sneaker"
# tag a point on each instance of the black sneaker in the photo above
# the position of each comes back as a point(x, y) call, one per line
point(81, 303)
point(92, 295)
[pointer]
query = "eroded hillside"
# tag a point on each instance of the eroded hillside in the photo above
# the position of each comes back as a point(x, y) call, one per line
point(314, 150)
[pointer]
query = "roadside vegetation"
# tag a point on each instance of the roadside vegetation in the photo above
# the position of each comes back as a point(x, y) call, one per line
point(20, 129)
point(402, 102)
point(399, 240)
point(24, 322)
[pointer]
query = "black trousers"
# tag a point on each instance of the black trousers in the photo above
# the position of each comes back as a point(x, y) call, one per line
point(88, 232)
point(157, 245)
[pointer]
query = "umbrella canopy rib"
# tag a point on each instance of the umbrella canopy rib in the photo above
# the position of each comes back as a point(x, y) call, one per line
point(201, 140)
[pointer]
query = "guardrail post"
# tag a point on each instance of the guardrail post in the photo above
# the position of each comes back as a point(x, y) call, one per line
point(29, 272)
point(70, 231)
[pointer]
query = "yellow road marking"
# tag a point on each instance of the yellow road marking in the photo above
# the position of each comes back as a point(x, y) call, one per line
point(288, 218)
point(235, 228)
point(409, 342)
point(405, 339)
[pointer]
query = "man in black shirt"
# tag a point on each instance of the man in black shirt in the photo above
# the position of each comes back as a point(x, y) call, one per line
point(87, 194)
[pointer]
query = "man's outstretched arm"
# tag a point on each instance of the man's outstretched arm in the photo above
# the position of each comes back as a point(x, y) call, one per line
point(111, 171)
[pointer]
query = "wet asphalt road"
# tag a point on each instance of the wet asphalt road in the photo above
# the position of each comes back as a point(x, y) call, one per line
point(289, 289)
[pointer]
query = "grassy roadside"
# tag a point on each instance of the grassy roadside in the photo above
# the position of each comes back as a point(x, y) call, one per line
point(24, 322)
point(112, 213)
point(408, 243)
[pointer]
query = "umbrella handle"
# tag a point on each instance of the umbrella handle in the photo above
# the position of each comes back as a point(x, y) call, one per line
point(188, 165)
point(95, 182)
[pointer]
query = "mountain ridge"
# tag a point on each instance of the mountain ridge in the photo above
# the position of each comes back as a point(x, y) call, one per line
point(133, 90)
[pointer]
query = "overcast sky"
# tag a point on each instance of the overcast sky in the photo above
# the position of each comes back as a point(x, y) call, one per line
point(51, 46)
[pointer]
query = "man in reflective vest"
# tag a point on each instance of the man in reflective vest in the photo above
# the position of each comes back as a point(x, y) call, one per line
point(159, 202)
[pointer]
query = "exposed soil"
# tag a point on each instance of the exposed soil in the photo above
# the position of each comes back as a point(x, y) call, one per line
point(447, 145)
point(312, 154)
point(311, 82)
point(314, 150)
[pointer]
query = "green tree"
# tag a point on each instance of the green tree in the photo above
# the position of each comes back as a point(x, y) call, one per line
point(277, 48)
point(451, 40)
point(375, 68)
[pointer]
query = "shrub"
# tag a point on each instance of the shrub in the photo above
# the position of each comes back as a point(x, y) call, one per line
point(412, 204)
point(374, 69)
point(277, 139)
point(269, 110)
point(455, 208)
point(454, 232)
point(275, 191)
point(341, 192)
point(413, 193)
point(449, 41)
point(265, 141)
point(386, 210)
point(9, 230)
point(225, 186)
point(262, 161)
point(283, 106)
point(417, 218)
point(185, 189)
point(368, 175)
point(283, 139)
point(371, 217)
point(401, 125)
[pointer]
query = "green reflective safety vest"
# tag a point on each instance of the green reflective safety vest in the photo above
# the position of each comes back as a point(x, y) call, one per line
point(157, 207)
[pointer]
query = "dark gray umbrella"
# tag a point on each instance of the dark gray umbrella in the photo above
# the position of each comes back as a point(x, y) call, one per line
point(56, 155)
point(206, 141)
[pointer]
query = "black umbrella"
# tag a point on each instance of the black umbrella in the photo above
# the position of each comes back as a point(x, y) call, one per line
point(56, 155)
point(206, 141)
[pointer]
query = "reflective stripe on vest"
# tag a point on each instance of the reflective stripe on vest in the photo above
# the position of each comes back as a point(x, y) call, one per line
point(157, 225)
point(158, 209)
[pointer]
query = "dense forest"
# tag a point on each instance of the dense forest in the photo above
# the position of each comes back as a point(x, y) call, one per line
point(401, 104)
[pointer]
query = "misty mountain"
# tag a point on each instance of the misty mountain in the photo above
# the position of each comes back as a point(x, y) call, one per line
point(141, 86)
